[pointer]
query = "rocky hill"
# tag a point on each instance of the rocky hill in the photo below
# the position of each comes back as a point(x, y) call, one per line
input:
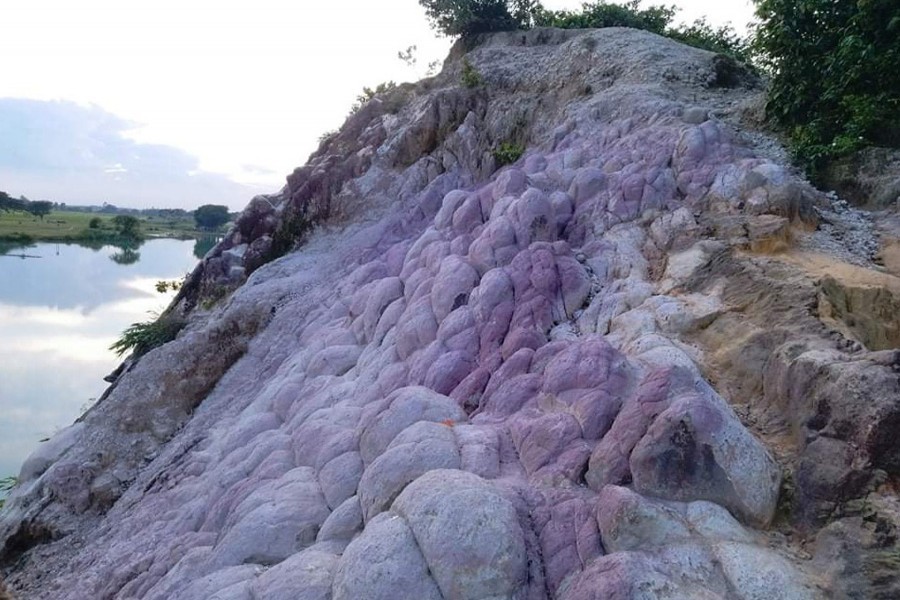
point(643, 360)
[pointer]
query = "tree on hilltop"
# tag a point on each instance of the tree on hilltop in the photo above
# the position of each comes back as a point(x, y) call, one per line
point(470, 17)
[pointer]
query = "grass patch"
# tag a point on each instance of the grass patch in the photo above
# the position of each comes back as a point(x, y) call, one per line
point(6, 484)
point(66, 226)
point(140, 338)
point(508, 153)
point(471, 78)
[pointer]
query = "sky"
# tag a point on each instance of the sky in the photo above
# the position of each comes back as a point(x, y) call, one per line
point(177, 103)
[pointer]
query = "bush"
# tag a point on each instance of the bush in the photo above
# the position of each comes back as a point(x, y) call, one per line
point(163, 286)
point(723, 40)
point(508, 153)
point(127, 225)
point(470, 17)
point(471, 78)
point(140, 338)
point(6, 484)
point(369, 93)
point(602, 14)
point(657, 19)
point(95, 223)
point(835, 83)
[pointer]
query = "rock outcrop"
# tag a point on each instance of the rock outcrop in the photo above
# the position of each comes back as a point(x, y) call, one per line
point(603, 371)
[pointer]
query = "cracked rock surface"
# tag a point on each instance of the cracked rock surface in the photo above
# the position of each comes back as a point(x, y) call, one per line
point(598, 372)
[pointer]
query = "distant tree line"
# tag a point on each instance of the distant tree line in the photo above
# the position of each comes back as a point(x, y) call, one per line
point(38, 208)
point(209, 216)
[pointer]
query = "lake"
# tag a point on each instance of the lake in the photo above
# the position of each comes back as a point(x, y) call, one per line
point(58, 316)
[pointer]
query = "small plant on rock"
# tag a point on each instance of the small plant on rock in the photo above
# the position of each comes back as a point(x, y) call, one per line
point(140, 338)
point(471, 78)
point(163, 286)
point(508, 153)
point(6, 484)
point(370, 93)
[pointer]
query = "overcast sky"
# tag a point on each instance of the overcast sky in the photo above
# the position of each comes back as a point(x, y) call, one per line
point(184, 102)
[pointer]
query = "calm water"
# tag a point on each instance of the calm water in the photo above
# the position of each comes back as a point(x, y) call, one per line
point(58, 316)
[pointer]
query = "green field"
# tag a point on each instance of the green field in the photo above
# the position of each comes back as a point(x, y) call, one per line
point(66, 226)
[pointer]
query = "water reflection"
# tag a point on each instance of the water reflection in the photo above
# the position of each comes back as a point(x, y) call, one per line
point(126, 256)
point(126, 253)
point(58, 316)
point(205, 244)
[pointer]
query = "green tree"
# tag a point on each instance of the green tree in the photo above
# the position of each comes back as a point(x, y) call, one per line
point(95, 223)
point(127, 225)
point(211, 216)
point(469, 17)
point(40, 208)
point(835, 82)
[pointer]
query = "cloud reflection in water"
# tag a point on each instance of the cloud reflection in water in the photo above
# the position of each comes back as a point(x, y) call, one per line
point(58, 317)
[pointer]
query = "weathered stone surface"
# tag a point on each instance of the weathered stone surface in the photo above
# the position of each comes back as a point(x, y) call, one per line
point(419, 448)
point(404, 408)
point(382, 561)
point(469, 534)
point(697, 450)
point(306, 575)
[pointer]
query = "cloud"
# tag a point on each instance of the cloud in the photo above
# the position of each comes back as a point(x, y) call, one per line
point(68, 152)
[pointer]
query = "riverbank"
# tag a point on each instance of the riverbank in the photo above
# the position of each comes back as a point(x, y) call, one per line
point(22, 229)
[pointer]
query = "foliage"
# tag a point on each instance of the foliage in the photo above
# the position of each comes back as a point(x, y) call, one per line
point(9, 204)
point(140, 338)
point(408, 56)
point(95, 223)
point(508, 153)
point(471, 78)
point(211, 216)
point(39, 208)
point(369, 93)
point(6, 484)
point(470, 17)
point(327, 135)
point(657, 19)
point(723, 39)
point(162, 286)
point(127, 225)
point(292, 230)
point(602, 14)
point(835, 83)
